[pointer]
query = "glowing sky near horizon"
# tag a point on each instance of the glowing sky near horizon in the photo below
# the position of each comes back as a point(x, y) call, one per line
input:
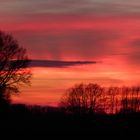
point(106, 31)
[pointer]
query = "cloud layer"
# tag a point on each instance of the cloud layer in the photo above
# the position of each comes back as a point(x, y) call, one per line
point(75, 30)
point(57, 64)
point(97, 7)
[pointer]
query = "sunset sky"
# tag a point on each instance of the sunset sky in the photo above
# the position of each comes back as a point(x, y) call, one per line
point(106, 32)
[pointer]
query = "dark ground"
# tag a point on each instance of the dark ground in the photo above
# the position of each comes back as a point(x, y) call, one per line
point(22, 120)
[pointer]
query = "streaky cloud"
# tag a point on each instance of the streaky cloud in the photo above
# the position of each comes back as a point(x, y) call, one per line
point(57, 63)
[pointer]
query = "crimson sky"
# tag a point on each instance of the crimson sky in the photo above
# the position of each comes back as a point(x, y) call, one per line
point(105, 31)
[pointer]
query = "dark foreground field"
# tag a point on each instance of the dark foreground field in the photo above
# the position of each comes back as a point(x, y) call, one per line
point(20, 119)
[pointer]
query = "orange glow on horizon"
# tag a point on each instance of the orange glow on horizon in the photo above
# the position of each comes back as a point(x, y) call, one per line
point(49, 84)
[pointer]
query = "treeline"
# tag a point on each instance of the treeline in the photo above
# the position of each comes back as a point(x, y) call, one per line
point(93, 98)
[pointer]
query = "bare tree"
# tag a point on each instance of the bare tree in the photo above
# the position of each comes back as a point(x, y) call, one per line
point(125, 93)
point(13, 64)
point(75, 99)
point(135, 99)
point(95, 93)
point(113, 93)
point(83, 98)
point(130, 101)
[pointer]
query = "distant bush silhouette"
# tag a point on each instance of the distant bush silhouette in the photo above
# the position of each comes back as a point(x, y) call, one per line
point(92, 98)
point(13, 61)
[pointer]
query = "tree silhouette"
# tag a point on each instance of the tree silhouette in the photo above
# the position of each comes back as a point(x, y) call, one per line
point(93, 98)
point(84, 99)
point(13, 64)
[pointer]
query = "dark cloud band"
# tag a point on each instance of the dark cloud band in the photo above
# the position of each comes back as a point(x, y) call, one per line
point(57, 64)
